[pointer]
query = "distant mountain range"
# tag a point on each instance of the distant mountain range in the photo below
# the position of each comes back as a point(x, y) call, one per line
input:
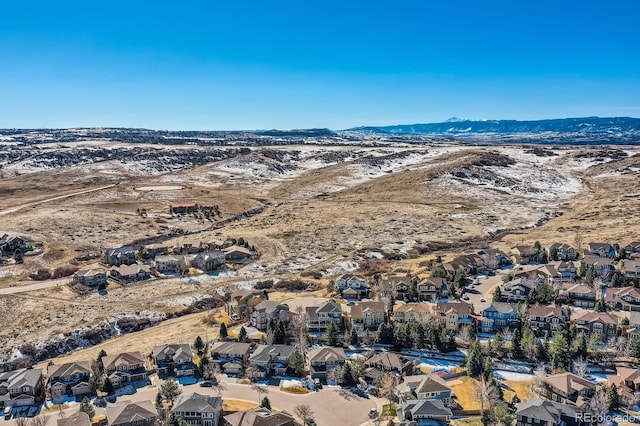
point(455, 126)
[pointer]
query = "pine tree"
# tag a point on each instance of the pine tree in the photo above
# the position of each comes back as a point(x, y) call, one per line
point(516, 343)
point(99, 360)
point(223, 331)
point(333, 339)
point(346, 378)
point(634, 347)
point(558, 351)
point(420, 336)
point(242, 335)
point(581, 347)
point(265, 403)
point(170, 390)
point(198, 344)
point(613, 398)
point(354, 340)
point(474, 360)
point(107, 386)
point(296, 364)
point(386, 334)
point(86, 407)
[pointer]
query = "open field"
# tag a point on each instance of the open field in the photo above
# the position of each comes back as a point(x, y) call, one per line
point(321, 209)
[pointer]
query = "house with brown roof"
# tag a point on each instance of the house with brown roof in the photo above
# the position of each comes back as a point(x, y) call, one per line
point(172, 263)
point(516, 290)
point(237, 254)
point(582, 295)
point(209, 261)
point(454, 314)
point(568, 388)
point(266, 311)
point(563, 251)
point(407, 312)
point(71, 379)
point(546, 319)
point(259, 417)
point(429, 386)
point(324, 359)
point(601, 250)
point(623, 298)
point(632, 247)
point(367, 316)
point(128, 413)
point(392, 362)
point(174, 359)
point(353, 286)
point(524, 255)
point(124, 368)
point(603, 266)
point(79, 418)
point(399, 284)
point(630, 268)
point(605, 324)
point(432, 289)
point(541, 412)
point(271, 359)
point(198, 410)
point(425, 412)
point(242, 303)
point(627, 379)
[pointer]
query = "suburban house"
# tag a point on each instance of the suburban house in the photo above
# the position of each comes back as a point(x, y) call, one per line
point(499, 316)
point(20, 388)
point(71, 379)
point(516, 290)
point(171, 263)
point(623, 298)
point(432, 289)
point(407, 312)
point(601, 249)
point(634, 325)
point(631, 268)
point(524, 255)
point(392, 362)
point(175, 359)
point(567, 388)
point(353, 286)
point(259, 417)
point(153, 250)
point(603, 266)
point(124, 368)
point(242, 303)
point(431, 410)
point(454, 314)
point(266, 311)
point(562, 272)
point(540, 412)
point(198, 410)
point(324, 359)
point(582, 295)
point(398, 284)
point(430, 386)
point(563, 251)
point(237, 254)
point(321, 316)
point(493, 259)
point(120, 256)
point(603, 323)
point(79, 418)
point(130, 273)
point(128, 413)
point(367, 316)
point(632, 247)
point(271, 359)
point(231, 353)
point(91, 277)
point(209, 261)
point(546, 319)
point(627, 380)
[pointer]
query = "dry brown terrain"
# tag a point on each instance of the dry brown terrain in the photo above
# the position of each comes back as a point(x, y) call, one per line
point(326, 208)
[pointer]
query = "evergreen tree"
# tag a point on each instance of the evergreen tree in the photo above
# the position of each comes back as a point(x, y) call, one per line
point(353, 339)
point(613, 398)
point(170, 390)
point(242, 335)
point(497, 295)
point(497, 345)
point(176, 420)
point(346, 379)
point(223, 331)
point(447, 340)
point(296, 364)
point(266, 403)
point(99, 360)
point(558, 351)
point(159, 401)
point(487, 368)
point(386, 335)
point(333, 338)
point(87, 407)
point(581, 347)
point(198, 344)
point(634, 347)
point(474, 360)
point(107, 386)
point(516, 343)
point(420, 336)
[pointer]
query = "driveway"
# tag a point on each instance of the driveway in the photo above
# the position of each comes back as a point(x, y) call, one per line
point(483, 290)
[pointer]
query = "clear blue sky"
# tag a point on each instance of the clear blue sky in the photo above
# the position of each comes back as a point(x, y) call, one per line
point(262, 64)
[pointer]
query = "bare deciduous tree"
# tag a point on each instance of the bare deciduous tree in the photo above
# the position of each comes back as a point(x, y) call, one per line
point(538, 387)
point(38, 421)
point(388, 389)
point(598, 404)
point(299, 323)
point(261, 390)
point(580, 367)
point(305, 413)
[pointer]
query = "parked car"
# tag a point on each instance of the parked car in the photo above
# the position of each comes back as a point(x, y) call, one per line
point(317, 383)
point(373, 413)
point(7, 413)
point(206, 384)
point(359, 392)
point(100, 402)
point(465, 297)
point(483, 300)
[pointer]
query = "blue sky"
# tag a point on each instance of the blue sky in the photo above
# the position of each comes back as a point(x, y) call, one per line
point(297, 64)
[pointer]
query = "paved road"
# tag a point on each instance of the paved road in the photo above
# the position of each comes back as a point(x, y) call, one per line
point(483, 291)
point(35, 286)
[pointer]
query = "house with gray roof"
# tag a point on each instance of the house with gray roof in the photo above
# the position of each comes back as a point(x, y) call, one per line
point(198, 410)
point(426, 411)
point(430, 386)
point(124, 368)
point(499, 316)
point(516, 290)
point(548, 413)
point(120, 256)
point(79, 418)
point(267, 310)
point(174, 359)
point(91, 277)
point(271, 359)
point(352, 286)
point(128, 413)
point(260, 417)
point(324, 359)
point(319, 317)
point(126, 274)
point(70, 379)
point(209, 261)
point(20, 388)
